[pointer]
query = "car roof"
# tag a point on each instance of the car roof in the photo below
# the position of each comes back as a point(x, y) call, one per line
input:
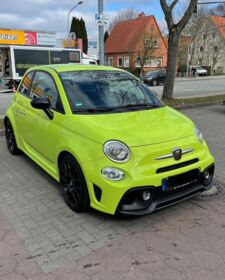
point(73, 67)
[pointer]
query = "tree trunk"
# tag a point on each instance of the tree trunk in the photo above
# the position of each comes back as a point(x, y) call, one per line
point(173, 42)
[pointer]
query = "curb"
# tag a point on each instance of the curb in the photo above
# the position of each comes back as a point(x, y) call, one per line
point(184, 79)
point(2, 132)
point(206, 104)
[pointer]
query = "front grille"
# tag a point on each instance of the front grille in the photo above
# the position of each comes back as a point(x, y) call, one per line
point(176, 166)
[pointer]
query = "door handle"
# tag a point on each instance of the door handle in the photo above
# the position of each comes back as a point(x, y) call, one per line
point(22, 112)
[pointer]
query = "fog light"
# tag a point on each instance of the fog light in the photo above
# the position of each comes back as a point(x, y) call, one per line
point(112, 174)
point(146, 195)
point(206, 175)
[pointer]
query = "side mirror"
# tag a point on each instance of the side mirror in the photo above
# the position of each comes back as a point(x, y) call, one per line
point(42, 104)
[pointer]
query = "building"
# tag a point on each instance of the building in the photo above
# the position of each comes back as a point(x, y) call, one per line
point(136, 43)
point(208, 45)
point(21, 38)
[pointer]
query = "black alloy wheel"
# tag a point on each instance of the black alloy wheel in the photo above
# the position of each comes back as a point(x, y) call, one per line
point(10, 139)
point(74, 185)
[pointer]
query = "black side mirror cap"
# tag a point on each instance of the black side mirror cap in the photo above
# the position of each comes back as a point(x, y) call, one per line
point(42, 104)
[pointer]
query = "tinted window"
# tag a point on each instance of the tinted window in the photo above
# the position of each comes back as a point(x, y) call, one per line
point(44, 86)
point(25, 86)
point(105, 89)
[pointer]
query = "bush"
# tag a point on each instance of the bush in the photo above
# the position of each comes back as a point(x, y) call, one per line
point(182, 68)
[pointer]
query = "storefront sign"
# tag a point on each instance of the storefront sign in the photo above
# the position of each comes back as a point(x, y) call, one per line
point(46, 39)
point(30, 38)
point(12, 37)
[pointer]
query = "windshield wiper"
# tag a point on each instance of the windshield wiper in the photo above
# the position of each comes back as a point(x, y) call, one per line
point(139, 105)
point(117, 108)
point(92, 110)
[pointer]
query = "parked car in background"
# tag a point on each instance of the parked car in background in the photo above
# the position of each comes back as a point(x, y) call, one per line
point(110, 142)
point(154, 78)
point(198, 70)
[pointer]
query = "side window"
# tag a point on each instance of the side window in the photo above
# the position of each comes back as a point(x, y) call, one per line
point(44, 86)
point(25, 86)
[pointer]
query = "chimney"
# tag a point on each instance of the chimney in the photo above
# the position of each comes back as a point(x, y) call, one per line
point(141, 15)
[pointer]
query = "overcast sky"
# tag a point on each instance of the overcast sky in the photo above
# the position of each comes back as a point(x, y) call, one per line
point(51, 15)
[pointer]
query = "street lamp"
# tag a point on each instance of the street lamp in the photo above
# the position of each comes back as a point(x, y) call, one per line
point(68, 18)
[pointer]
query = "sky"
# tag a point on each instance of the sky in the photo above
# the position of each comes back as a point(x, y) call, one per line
point(52, 15)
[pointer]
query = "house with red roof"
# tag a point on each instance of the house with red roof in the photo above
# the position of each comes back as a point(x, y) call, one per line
point(136, 43)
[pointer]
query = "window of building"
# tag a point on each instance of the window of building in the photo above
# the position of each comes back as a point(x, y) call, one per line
point(147, 62)
point(126, 61)
point(201, 49)
point(149, 43)
point(215, 48)
point(204, 36)
point(138, 62)
point(110, 61)
point(120, 62)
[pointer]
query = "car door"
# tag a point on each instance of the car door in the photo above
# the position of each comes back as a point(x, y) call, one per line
point(162, 76)
point(44, 133)
point(22, 101)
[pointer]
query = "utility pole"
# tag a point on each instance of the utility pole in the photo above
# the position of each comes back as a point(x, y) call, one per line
point(101, 34)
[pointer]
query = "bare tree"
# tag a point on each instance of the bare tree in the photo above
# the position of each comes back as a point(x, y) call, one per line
point(123, 15)
point(219, 10)
point(175, 30)
point(147, 45)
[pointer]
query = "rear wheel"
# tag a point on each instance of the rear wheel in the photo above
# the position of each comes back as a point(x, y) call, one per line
point(10, 138)
point(74, 184)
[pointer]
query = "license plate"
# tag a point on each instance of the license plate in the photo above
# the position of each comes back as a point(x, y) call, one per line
point(180, 181)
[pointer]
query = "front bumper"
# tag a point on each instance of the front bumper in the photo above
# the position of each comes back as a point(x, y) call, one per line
point(143, 170)
point(133, 204)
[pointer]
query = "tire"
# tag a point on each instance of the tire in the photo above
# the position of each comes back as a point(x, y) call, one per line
point(11, 139)
point(154, 83)
point(74, 185)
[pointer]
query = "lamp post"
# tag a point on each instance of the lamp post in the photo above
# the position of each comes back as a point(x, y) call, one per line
point(68, 19)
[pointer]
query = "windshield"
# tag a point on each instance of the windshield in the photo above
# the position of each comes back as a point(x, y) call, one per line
point(104, 91)
point(200, 68)
point(150, 73)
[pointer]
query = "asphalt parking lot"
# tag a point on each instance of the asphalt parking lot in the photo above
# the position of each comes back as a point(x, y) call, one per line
point(41, 238)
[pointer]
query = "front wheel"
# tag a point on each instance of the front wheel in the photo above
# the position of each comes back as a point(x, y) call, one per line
point(10, 139)
point(74, 185)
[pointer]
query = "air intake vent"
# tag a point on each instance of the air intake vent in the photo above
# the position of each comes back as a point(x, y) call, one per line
point(176, 166)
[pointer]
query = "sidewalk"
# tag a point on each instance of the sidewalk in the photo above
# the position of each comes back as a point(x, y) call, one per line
point(181, 79)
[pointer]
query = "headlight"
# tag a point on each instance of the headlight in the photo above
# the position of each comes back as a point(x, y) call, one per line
point(116, 151)
point(199, 135)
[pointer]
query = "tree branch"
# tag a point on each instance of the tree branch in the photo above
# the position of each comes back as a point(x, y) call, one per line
point(168, 13)
point(173, 4)
point(182, 23)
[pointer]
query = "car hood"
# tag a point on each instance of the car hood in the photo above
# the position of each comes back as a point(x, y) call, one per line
point(136, 128)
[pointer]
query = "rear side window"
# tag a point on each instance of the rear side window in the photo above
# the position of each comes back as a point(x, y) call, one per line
point(25, 86)
point(44, 86)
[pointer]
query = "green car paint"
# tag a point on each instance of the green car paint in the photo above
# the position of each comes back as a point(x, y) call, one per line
point(148, 134)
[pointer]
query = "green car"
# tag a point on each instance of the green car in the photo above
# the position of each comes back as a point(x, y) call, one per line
point(110, 142)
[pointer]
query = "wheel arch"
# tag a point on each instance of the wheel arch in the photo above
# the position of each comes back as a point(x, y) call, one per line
point(64, 153)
